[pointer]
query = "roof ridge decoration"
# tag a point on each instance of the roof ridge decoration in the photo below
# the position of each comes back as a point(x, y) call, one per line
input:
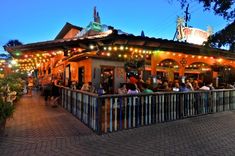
point(95, 29)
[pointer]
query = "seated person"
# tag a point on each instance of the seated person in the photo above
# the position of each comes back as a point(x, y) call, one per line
point(122, 89)
point(91, 87)
point(85, 87)
point(146, 88)
point(100, 90)
point(132, 89)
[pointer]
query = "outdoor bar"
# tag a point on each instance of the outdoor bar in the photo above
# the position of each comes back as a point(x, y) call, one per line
point(103, 57)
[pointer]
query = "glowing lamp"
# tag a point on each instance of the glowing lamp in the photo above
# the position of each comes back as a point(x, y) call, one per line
point(92, 47)
point(13, 62)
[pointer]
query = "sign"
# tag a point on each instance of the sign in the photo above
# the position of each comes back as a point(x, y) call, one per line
point(94, 26)
point(195, 36)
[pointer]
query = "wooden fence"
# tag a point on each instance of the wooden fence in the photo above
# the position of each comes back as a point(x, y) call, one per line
point(109, 113)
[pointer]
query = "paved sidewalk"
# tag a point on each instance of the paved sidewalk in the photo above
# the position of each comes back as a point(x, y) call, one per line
point(37, 129)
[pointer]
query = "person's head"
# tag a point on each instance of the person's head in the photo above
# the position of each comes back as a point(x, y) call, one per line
point(85, 86)
point(165, 84)
point(145, 85)
point(177, 85)
point(90, 83)
point(122, 85)
point(132, 86)
point(189, 86)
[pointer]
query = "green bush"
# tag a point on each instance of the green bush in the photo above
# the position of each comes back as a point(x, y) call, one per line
point(14, 81)
point(6, 110)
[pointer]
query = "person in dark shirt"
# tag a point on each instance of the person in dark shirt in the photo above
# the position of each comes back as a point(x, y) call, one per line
point(55, 94)
point(46, 92)
point(183, 88)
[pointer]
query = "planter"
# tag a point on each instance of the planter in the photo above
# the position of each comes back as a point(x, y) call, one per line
point(2, 127)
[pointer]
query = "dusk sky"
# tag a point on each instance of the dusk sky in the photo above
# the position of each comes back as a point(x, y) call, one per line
point(40, 20)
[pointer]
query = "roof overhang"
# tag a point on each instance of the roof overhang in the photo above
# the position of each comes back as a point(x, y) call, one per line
point(115, 39)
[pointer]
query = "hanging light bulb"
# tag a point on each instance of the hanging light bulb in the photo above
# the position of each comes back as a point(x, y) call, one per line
point(13, 62)
point(121, 48)
point(92, 47)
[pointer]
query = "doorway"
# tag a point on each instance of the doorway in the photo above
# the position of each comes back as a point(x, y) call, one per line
point(67, 77)
point(107, 78)
point(81, 76)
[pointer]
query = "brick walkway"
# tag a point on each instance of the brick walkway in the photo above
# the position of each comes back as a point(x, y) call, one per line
point(37, 129)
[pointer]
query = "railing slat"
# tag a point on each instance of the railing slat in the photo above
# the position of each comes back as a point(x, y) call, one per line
point(111, 115)
point(125, 114)
point(129, 112)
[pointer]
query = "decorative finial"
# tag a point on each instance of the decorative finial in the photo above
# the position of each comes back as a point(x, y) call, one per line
point(95, 14)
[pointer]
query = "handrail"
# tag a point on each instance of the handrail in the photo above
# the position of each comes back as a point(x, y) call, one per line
point(78, 91)
point(165, 93)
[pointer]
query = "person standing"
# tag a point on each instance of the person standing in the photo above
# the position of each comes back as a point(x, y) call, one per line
point(55, 94)
point(30, 86)
point(46, 92)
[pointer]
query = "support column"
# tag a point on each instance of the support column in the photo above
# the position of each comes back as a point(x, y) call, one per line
point(153, 67)
point(181, 71)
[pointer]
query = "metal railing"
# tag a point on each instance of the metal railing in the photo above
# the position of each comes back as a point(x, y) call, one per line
point(109, 113)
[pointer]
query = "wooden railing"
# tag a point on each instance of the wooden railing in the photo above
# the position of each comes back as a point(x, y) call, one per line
point(81, 104)
point(109, 113)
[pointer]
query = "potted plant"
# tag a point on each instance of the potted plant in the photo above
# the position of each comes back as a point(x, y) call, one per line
point(6, 111)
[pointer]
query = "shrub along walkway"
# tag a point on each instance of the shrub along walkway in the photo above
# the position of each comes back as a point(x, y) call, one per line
point(37, 129)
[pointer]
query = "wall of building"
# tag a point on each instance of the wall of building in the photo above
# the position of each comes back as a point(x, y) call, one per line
point(71, 33)
point(119, 72)
point(74, 66)
point(184, 60)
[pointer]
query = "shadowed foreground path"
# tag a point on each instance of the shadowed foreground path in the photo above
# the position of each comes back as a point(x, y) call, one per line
point(37, 129)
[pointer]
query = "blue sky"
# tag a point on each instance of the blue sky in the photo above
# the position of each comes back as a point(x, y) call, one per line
point(40, 20)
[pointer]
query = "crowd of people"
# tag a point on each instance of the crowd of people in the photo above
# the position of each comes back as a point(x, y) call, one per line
point(139, 86)
point(134, 86)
